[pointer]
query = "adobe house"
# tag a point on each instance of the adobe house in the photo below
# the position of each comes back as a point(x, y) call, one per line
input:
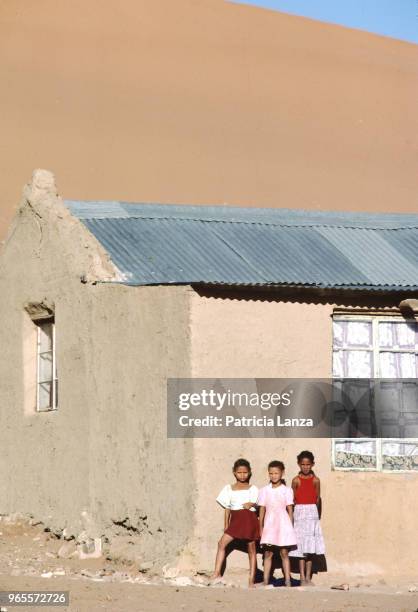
point(101, 302)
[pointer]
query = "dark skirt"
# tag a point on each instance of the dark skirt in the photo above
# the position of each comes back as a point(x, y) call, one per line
point(243, 525)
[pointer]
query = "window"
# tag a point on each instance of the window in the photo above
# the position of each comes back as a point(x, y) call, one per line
point(46, 382)
point(375, 347)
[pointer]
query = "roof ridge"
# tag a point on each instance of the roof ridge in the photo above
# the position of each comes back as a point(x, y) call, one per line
point(285, 217)
point(243, 222)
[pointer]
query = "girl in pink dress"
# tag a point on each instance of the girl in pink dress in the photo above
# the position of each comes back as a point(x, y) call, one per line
point(276, 518)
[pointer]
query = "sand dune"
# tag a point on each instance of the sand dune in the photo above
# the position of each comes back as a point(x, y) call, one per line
point(202, 101)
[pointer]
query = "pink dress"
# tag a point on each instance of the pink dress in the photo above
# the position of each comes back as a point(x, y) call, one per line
point(278, 529)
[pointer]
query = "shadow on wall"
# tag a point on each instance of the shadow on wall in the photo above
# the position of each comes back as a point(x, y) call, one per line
point(303, 295)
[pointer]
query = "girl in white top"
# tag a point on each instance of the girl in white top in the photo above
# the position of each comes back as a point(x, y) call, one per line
point(240, 518)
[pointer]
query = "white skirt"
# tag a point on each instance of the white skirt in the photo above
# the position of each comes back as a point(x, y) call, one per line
point(308, 531)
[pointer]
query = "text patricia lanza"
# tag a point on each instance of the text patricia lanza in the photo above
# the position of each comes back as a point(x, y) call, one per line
point(252, 421)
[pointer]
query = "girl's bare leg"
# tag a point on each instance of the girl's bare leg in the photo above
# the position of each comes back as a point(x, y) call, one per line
point(252, 556)
point(220, 555)
point(268, 557)
point(302, 567)
point(308, 572)
point(286, 566)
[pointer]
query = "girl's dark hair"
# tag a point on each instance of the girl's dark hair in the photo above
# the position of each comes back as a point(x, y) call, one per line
point(306, 455)
point(242, 463)
point(277, 464)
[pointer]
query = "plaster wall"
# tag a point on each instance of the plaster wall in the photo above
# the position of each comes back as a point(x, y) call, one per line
point(365, 515)
point(101, 462)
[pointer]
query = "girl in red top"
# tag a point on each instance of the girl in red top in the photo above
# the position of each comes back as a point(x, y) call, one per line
point(307, 492)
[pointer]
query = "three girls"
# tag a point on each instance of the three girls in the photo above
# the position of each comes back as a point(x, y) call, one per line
point(278, 528)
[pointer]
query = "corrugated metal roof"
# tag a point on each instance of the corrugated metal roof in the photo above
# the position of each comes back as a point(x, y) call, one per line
point(170, 244)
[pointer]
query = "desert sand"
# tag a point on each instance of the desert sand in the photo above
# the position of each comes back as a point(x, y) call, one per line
point(204, 101)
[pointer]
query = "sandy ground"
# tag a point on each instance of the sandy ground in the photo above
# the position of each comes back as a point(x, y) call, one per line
point(29, 561)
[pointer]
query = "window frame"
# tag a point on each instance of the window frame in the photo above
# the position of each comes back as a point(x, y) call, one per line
point(374, 319)
point(54, 380)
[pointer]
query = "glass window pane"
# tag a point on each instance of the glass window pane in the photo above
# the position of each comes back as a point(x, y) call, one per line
point(45, 396)
point(358, 364)
point(399, 455)
point(45, 367)
point(45, 337)
point(398, 365)
point(406, 334)
point(407, 365)
point(398, 334)
point(337, 364)
point(338, 333)
point(359, 333)
point(386, 336)
point(352, 364)
point(387, 363)
point(355, 454)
